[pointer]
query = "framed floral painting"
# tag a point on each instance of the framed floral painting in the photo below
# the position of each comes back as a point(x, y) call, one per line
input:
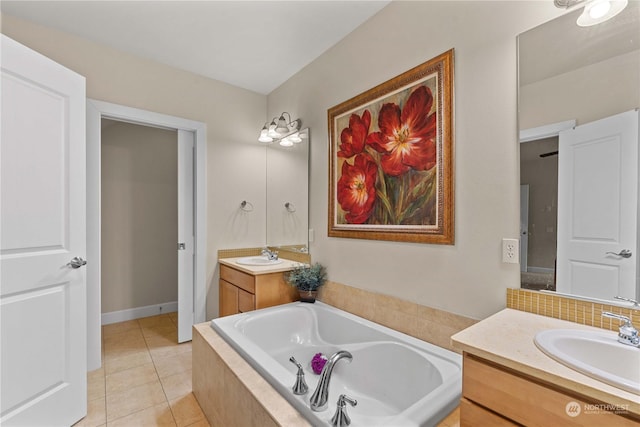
point(391, 159)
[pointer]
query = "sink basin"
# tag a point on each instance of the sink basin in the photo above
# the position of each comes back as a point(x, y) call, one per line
point(595, 354)
point(258, 260)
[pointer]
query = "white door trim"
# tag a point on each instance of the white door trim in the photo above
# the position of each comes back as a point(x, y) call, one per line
point(95, 111)
point(546, 131)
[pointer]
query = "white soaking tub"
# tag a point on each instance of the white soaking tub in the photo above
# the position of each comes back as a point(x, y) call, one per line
point(396, 379)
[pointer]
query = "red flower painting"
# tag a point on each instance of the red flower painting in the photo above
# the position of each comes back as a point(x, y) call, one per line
point(391, 158)
point(356, 188)
point(406, 137)
point(388, 181)
point(352, 138)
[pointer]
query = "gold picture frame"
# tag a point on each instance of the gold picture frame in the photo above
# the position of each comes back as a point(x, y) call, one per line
point(391, 159)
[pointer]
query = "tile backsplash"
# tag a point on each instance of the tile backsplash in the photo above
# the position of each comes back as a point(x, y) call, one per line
point(283, 252)
point(567, 308)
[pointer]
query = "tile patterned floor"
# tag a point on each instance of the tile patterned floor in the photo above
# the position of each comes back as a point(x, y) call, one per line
point(145, 379)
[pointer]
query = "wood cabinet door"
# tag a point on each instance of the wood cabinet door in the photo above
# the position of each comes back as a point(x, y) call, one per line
point(228, 299)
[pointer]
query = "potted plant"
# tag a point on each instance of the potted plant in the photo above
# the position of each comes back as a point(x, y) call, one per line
point(307, 279)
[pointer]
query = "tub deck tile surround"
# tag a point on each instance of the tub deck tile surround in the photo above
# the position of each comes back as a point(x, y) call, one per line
point(234, 393)
point(145, 379)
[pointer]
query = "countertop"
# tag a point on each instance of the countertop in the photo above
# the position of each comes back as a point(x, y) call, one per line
point(285, 265)
point(507, 337)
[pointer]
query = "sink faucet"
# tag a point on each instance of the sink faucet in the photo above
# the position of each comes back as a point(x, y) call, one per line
point(318, 400)
point(271, 255)
point(627, 333)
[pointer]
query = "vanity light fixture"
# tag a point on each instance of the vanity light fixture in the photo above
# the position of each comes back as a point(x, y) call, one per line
point(286, 132)
point(595, 11)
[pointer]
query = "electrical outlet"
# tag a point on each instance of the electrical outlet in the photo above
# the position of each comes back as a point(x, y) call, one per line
point(510, 249)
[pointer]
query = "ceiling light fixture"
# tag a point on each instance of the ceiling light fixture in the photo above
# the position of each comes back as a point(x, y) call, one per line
point(595, 11)
point(281, 130)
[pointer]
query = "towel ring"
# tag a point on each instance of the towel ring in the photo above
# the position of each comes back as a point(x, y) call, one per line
point(246, 206)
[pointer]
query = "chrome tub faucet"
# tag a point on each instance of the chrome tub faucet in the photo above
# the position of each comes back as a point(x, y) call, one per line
point(318, 400)
point(300, 387)
point(341, 418)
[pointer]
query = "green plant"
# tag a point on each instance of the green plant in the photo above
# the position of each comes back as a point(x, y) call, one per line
point(307, 277)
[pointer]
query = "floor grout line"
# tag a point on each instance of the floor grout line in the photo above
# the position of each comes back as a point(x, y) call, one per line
point(146, 338)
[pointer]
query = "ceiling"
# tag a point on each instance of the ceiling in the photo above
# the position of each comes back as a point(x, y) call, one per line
point(256, 45)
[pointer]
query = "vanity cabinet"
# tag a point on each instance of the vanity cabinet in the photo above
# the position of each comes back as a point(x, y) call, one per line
point(498, 396)
point(241, 292)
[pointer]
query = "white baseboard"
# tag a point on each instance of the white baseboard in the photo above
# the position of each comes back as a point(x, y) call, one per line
point(138, 312)
point(540, 270)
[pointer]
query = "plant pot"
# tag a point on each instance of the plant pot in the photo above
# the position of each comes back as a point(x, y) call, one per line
point(308, 296)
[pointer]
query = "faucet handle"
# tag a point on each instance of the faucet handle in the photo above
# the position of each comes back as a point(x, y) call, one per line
point(341, 418)
point(300, 387)
point(627, 334)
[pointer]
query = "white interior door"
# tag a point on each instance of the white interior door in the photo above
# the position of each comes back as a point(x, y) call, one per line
point(597, 208)
point(186, 234)
point(42, 298)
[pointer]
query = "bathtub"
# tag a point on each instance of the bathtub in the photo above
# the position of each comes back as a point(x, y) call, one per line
point(396, 379)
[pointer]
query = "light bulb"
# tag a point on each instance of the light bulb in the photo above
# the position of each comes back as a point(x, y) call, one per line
point(265, 138)
point(599, 9)
point(264, 135)
point(286, 142)
point(295, 138)
point(272, 130)
point(282, 126)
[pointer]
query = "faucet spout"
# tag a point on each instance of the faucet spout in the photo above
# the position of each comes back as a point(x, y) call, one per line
point(271, 255)
point(319, 398)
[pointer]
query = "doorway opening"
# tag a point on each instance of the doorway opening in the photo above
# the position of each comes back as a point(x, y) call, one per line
point(191, 207)
point(139, 229)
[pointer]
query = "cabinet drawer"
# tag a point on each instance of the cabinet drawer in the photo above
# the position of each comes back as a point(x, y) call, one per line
point(526, 401)
point(472, 415)
point(246, 301)
point(238, 278)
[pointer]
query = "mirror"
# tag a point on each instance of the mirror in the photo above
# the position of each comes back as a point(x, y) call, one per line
point(288, 195)
point(567, 75)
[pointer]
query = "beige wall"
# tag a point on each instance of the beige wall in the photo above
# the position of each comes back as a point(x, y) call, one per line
point(233, 117)
point(467, 278)
point(574, 96)
point(139, 216)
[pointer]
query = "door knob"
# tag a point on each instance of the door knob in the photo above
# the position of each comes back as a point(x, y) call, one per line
point(76, 262)
point(625, 253)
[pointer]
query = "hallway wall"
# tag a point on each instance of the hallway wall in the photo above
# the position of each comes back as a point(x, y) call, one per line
point(139, 216)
